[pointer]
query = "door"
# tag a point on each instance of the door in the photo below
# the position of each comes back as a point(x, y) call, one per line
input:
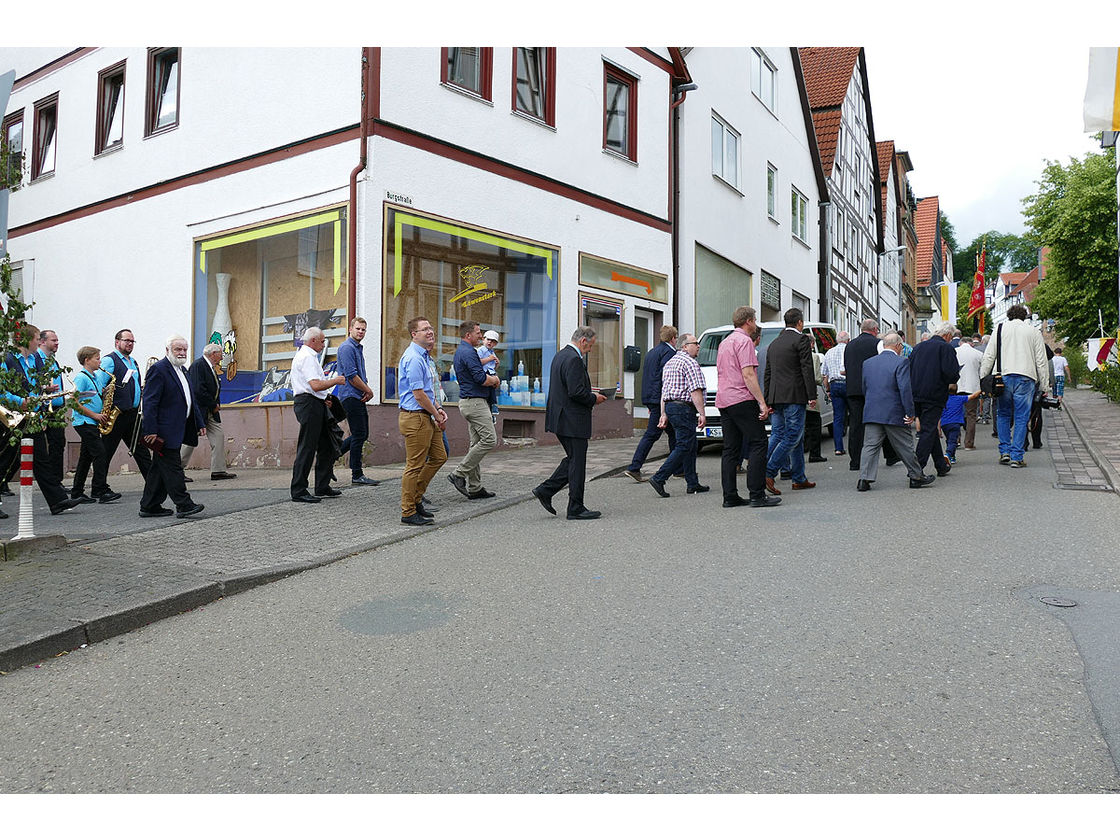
point(644, 337)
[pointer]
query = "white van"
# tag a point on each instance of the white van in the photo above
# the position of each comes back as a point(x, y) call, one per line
point(824, 339)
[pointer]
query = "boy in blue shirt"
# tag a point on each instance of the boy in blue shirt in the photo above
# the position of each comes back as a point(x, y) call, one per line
point(952, 418)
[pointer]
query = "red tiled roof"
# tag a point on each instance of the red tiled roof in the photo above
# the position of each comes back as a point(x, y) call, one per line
point(827, 72)
point(884, 150)
point(925, 225)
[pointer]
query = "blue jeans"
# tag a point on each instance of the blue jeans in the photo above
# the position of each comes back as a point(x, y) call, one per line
point(952, 438)
point(682, 419)
point(787, 429)
point(1013, 411)
point(839, 393)
point(650, 437)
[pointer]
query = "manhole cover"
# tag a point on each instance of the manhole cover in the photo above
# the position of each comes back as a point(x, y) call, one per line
point(1058, 602)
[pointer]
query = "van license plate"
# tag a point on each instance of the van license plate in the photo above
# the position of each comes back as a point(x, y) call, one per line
point(713, 431)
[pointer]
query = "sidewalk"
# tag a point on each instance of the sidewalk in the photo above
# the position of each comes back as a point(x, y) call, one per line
point(1085, 441)
point(118, 572)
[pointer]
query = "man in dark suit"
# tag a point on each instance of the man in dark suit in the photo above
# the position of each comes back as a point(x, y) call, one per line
point(933, 368)
point(888, 410)
point(651, 399)
point(859, 350)
point(790, 386)
point(171, 417)
point(207, 384)
point(568, 416)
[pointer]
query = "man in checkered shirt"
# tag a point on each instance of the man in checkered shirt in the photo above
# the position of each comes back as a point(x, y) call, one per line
point(682, 404)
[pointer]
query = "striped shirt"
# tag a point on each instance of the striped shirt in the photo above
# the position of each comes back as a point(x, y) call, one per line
point(680, 377)
point(832, 368)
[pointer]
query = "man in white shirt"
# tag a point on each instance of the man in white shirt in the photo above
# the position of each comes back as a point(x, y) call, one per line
point(969, 359)
point(310, 386)
point(1025, 369)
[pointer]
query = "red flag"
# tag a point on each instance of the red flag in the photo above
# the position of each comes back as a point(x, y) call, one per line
point(976, 302)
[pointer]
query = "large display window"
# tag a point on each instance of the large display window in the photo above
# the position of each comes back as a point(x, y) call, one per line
point(449, 272)
point(258, 289)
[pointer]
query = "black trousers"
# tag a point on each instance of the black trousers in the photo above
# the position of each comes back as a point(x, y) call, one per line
point(43, 467)
point(314, 445)
point(741, 422)
point(572, 471)
point(813, 433)
point(165, 478)
point(929, 441)
point(122, 430)
point(93, 448)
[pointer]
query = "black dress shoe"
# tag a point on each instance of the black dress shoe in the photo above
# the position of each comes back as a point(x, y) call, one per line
point(221, 476)
point(105, 498)
point(362, 481)
point(329, 493)
point(766, 501)
point(306, 497)
point(585, 514)
point(863, 485)
point(924, 481)
point(64, 505)
point(5, 490)
point(3, 515)
point(459, 483)
point(481, 493)
point(698, 488)
point(425, 512)
point(738, 501)
point(83, 499)
point(546, 501)
point(817, 459)
point(658, 487)
point(416, 519)
point(187, 478)
point(191, 511)
point(147, 514)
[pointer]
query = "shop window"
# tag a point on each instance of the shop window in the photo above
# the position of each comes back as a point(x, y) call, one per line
point(11, 135)
point(257, 290)
point(721, 288)
point(770, 297)
point(450, 272)
point(534, 82)
point(110, 109)
point(620, 112)
point(163, 90)
point(626, 279)
point(45, 137)
point(604, 362)
point(468, 68)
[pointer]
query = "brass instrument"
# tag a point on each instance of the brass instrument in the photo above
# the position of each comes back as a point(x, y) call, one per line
point(132, 444)
point(110, 411)
point(10, 418)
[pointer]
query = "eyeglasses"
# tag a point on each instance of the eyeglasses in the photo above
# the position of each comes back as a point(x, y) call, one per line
point(697, 343)
point(128, 340)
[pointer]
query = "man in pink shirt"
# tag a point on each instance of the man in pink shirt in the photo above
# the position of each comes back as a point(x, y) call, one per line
point(743, 412)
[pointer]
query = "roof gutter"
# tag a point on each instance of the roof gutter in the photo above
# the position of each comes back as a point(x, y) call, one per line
point(370, 57)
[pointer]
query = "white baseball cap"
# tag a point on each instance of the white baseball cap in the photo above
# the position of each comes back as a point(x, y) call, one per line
point(493, 336)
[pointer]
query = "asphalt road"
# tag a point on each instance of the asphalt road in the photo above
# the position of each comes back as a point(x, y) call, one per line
point(890, 641)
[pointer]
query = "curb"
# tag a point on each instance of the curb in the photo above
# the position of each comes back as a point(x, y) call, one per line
point(1102, 462)
point(20, 549)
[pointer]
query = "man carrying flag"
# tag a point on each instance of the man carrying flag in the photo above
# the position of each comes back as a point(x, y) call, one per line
point(976, 301)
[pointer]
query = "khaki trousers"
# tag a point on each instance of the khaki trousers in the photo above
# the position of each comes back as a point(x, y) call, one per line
point(483, 438)
point(424, 455)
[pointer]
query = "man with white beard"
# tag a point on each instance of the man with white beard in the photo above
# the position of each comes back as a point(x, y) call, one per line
point(171, 417)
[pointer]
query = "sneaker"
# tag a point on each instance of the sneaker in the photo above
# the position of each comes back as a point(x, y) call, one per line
point(634, 474)
point(1015, 465)
point(952, 459)
point(1005, 459)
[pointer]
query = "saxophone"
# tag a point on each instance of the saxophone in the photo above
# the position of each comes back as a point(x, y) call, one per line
point(107, 407)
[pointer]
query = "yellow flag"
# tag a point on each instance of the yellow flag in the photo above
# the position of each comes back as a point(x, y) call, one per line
point(1102, 93)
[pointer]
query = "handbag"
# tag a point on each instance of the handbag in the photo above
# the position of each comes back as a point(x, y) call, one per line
point(992, 384)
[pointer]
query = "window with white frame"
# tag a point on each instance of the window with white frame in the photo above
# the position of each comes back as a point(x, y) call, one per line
point(799, 215)
point(764, 79)
point(534, 82)
point(725, 151)
point(11, 136)
point(771, 192)
point(468, 68)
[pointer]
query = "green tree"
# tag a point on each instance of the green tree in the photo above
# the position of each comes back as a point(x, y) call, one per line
point(1074, 213)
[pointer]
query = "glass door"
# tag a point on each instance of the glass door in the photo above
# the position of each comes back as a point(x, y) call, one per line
point(644, 338)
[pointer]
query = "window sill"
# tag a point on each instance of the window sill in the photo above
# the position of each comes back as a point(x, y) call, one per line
point(46, 176)
point(109, 151)
point(160, 131)
point(728, 184)
point(774, 219)
point(802, 242)
point(620, 157)
point(534, 120)
point(470, 94)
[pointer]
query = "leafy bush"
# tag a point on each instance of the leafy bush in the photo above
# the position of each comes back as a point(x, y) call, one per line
point(1107, 381)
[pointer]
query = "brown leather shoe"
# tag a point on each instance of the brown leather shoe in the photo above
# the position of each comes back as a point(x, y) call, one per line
point(770, 488)
point(803, 485)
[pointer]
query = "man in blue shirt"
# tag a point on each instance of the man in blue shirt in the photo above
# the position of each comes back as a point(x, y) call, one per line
point(475, 390)
point(421, 422)
point(123, 368)
point(354, 394)
point(56, 435)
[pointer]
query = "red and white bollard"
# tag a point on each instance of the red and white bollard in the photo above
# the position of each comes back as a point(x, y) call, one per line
point(26, 460)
